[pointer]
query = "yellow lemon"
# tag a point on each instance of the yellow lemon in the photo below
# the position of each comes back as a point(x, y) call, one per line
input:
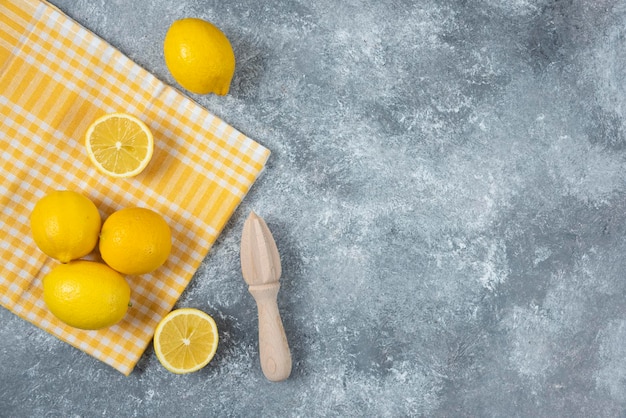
point(185, 340)
point(199, 56)
point(86, 294)
point(65, 225)
point(135, 240)
point(119, 145)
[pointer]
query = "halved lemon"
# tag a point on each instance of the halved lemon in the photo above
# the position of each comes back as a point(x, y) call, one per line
point(119, 145)
point(185, 340)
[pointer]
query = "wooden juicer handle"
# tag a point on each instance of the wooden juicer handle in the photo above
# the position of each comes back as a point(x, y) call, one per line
point(273, 347)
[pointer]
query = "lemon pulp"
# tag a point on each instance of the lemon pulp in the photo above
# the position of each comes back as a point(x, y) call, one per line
point(185, 340)
point(119, 145)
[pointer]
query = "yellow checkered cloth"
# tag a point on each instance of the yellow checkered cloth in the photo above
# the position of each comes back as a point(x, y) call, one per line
point(56, 77)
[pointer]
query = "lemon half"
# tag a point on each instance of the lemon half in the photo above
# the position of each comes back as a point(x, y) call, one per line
point(185, 340)
point(119, 145)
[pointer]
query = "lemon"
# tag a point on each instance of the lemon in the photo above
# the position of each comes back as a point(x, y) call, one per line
point(185, 340)
point(135, 240)
point(86, 294)
point(119, 145)
point(65, 225)
point(199, 56)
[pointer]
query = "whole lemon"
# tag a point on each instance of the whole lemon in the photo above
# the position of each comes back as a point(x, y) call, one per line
point(135, 240)
point(199, 56)
point(65, 225)
point(86, 294)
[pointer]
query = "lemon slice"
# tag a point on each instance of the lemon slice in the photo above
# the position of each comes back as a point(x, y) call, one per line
point(185, 340)
point(119, 145)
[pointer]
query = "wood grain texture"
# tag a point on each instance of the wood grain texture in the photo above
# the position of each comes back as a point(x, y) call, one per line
point(260, 266)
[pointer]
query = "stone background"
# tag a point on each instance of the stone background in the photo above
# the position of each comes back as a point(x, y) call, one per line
point(448, 193)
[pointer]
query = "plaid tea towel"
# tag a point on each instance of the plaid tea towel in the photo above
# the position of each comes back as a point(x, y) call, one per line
point(56, 77)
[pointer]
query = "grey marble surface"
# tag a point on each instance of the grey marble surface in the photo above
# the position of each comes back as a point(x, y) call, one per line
point(447, 188)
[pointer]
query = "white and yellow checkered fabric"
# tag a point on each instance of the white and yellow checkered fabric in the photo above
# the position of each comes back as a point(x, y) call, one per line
point(56, 77)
